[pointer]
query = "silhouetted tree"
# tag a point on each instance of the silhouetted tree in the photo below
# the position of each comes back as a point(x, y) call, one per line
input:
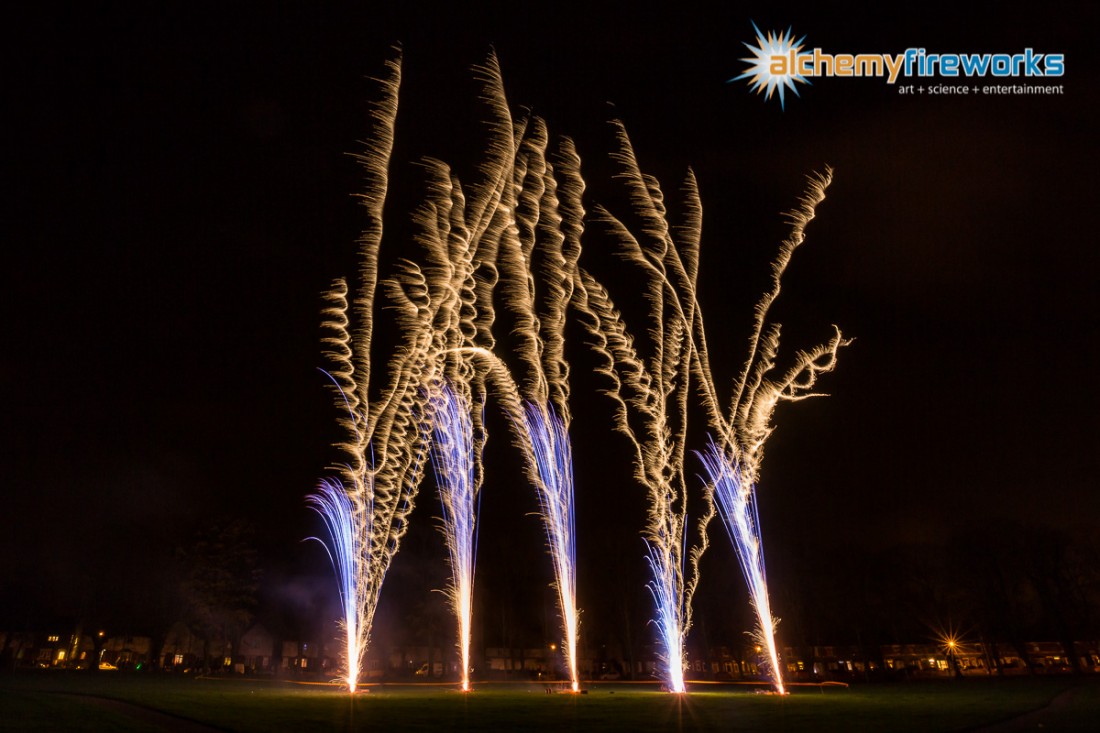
point(219, 580)
point(990, 567)
point(1056, 571)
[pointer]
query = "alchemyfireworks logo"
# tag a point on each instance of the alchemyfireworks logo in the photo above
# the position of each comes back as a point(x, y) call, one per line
point(779, 63)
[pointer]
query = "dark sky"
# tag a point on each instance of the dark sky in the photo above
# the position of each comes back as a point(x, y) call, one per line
point(178, 195)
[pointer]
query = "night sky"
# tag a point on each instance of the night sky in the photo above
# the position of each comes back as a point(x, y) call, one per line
point(178, 194)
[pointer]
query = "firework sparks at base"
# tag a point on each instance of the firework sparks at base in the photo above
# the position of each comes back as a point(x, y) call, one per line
point(670, 615)
point(453, 458)
point(736, 500)
point(347, 554)
point(554, 461)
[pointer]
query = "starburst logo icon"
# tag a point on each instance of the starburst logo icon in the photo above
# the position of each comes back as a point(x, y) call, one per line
point(771, 66)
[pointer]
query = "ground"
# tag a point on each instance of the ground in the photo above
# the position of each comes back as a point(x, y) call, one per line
point(75, 702)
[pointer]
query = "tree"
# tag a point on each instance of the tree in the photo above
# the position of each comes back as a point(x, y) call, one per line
point(218, 586)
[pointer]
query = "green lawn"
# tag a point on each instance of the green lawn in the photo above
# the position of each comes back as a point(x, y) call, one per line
point(60, 701)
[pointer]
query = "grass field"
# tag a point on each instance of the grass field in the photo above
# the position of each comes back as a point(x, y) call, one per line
point(81, 702)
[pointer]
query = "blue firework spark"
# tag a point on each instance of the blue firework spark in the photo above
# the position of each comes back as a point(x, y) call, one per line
point(453, 459)
point(736, 499)
point(553, 458)
point(348, 527)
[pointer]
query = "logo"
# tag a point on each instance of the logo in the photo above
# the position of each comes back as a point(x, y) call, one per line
point(779, 63)
point(765, 75)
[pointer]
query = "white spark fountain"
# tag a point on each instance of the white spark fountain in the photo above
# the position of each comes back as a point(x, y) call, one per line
point(453, 459)
point(736, 499)
point(343, 520)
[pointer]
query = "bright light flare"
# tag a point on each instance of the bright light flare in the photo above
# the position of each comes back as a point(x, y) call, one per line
point(347, 553)
point(453, 459)
point(736, 500)
point(553, 458)
point(952, 640)
point(954, 645)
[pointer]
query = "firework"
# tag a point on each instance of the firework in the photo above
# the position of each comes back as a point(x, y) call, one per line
point(652, 391)
point(385, 439)
point(736, 500)
point(512, 236)
point(346, 553)
point(554, 462)
point(669, 601)
point(453, 459)
point(537, 257)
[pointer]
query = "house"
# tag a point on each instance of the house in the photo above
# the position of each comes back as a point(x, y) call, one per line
point(126, 652)
point(256, 651)
point(183, 650)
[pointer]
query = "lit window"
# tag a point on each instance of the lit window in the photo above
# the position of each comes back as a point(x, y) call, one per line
point(61, 655)
point(178, 659)
point(52, 637)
